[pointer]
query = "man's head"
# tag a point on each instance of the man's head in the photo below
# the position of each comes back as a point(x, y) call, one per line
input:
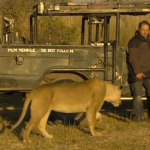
point(144, 28)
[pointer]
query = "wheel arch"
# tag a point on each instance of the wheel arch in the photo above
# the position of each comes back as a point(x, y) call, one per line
point(52, 77)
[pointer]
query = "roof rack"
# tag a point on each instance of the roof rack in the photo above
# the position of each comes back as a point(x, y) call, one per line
point(76, 7)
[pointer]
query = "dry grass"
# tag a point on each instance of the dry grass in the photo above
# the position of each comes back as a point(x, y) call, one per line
point(117, 135)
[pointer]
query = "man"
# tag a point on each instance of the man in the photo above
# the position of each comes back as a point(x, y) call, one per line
point(139, 59)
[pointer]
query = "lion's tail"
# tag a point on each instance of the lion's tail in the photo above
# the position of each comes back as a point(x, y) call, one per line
point(26, 104)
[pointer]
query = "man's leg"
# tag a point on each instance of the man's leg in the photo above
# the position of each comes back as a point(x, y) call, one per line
point(137, 100)
point(147, 86)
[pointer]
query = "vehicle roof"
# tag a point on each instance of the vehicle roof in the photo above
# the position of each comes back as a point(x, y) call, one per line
point(96, 7)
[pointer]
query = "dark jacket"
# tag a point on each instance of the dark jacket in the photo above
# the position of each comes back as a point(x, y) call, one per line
point(139, 53)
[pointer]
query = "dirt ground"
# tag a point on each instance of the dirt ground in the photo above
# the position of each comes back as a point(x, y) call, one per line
point(118, 132)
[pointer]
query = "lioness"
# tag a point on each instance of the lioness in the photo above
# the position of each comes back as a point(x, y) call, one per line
point(87, 96)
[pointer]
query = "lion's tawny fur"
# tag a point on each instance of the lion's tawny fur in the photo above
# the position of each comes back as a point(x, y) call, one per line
point(87, 96)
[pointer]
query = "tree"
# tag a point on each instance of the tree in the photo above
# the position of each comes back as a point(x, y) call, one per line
point(54, 30)
point(50, 29)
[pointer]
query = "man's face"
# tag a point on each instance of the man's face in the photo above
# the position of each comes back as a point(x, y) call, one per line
point(144, 30)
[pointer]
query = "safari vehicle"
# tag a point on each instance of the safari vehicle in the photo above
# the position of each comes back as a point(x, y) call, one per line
point(26, 64)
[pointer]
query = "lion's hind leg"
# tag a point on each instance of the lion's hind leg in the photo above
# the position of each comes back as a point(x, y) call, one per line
point(91, 117)
point(27, 131)
point(42, 126)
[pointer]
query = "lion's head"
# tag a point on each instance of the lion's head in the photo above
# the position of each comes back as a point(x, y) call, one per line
point(113, 95)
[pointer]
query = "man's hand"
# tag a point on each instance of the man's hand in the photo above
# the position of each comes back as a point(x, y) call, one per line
point(140, 76)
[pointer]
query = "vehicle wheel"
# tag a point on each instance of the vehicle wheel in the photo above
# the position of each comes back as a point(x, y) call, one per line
point(65, 118)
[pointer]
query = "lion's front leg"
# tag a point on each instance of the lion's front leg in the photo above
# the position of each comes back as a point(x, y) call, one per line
point(91, 117)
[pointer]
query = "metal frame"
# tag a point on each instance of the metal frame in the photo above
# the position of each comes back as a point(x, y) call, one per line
point(87, 11)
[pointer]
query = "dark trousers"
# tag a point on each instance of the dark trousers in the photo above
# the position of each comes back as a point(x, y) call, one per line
point(137, 97)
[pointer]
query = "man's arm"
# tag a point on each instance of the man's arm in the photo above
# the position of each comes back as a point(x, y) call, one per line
point(134, 57)
point(134, 60)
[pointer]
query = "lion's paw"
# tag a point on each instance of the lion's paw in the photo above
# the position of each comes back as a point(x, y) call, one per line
point(26, 141)
point(97, 134)
point(50, 137)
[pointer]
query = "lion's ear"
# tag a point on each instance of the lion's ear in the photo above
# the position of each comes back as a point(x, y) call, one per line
point(120, 87)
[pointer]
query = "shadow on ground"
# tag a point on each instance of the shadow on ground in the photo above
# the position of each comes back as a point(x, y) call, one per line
point(125, 110)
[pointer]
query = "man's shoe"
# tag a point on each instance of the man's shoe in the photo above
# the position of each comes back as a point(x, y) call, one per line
point(139, 119)
point(148, 119)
